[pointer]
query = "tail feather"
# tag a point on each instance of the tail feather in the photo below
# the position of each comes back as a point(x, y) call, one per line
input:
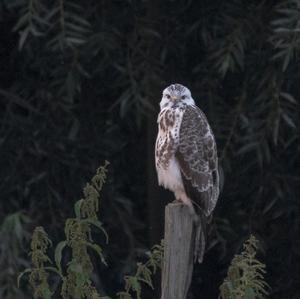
point(203, 206)
point(200, 237)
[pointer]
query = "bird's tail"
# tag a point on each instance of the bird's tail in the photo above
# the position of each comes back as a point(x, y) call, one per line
point(200, 237)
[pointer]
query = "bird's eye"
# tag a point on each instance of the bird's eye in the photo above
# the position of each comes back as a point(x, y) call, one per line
point(183, 97)
point(168, 96)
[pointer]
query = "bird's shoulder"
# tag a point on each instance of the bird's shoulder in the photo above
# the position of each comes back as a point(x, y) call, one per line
point(194, 122)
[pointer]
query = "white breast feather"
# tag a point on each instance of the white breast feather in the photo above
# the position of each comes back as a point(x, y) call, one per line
point(170, 177)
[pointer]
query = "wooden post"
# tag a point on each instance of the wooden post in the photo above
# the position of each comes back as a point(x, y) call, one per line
point(179, 245)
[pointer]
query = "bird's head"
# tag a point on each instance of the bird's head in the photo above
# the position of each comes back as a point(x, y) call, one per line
point(176, 94)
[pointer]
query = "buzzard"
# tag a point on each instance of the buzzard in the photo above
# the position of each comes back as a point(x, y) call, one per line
point(186, 157)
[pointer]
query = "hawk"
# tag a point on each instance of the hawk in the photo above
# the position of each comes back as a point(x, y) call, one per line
point(186, 157)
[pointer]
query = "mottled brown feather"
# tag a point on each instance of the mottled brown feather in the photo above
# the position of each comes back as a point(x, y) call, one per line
point(198, 161)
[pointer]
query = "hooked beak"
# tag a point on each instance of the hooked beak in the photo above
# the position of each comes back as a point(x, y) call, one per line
point(174, 98)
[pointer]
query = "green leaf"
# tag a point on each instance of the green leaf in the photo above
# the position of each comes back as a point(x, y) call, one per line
point(98, 224)
point(98, 249)
point(288, 97)
point(21, 22)
point(249, 293)
point(47, 294)
point(23, 37)
point(146, 275)
point(77, 208)
point(288, 120)
point(58, 254)
point(13, 98)
point(54, 270)
point(21, 275)
point(78, 28)
point(134, 284)
point(224, 66)
point(248, 148)
point(286, 61)
point(124, 295)
point(78, 20)
point(75, 41)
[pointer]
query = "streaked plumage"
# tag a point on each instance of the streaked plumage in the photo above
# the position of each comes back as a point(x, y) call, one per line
point(186, 155)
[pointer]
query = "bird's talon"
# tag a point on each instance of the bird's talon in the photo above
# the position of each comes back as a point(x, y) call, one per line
point(176, 201)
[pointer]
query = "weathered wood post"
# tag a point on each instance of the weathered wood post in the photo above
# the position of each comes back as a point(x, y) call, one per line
point(179, 245)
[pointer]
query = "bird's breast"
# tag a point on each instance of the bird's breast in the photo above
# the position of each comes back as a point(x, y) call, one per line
point(170, 117)
point(170, 177)
point(169, 121)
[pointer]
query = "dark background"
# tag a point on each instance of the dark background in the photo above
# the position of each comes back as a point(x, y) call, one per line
point(80, 82)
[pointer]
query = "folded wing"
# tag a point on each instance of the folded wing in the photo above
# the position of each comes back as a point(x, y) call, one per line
point(198, 161)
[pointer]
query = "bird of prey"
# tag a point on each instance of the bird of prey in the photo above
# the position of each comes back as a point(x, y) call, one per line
point(186, 157)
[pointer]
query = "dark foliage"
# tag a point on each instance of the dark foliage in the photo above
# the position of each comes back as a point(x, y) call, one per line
point(80, 82)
